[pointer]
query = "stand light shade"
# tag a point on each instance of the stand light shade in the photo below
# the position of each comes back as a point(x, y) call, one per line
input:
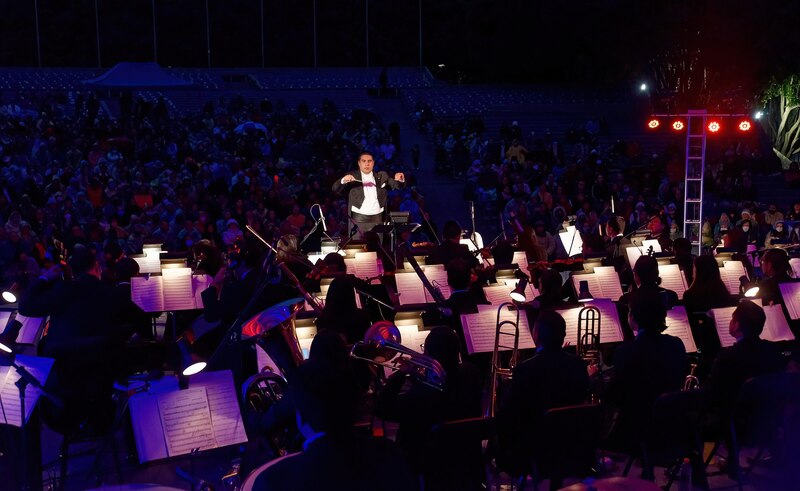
point(11, 294)
point(518, 293)
point(583, 292)
point(190, 364)
point(748, 288)
point(8, 340)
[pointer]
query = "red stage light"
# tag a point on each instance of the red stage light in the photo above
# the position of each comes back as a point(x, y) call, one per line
point(745, 125)
point(678, 125)
point(714, 126)
point(653, 124)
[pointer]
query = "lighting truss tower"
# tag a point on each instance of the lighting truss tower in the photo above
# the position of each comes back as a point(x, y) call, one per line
point(695, 167)
point(697, 129)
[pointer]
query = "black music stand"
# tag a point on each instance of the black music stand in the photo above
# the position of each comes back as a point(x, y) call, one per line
point(25, 379)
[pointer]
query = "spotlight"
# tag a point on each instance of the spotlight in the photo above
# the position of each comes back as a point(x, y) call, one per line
point(518, 294)
point(745, 125)
point(714, 126)
point(653, 124)
point(678, 125)
point(583, 294)
point(759, 114)
point(643, 87)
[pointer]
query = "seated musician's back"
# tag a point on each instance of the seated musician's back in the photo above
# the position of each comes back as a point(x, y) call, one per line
point(333, 457)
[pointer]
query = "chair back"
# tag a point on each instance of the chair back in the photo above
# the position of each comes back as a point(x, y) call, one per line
point(569, 440)
point(456, 452)
point(673, 431)
point(759, 409)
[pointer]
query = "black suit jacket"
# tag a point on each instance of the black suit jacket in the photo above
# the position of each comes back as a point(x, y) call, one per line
point(644, 368)
point(355, 190)
point(552, 378)
point(332, 463)
point(449, 250)
point(734, 365)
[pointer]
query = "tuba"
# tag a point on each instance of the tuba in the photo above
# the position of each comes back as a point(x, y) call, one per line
point(381, 347)
point(274, 330)
point(500, 372)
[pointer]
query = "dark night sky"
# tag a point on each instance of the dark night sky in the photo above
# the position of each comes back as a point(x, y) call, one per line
point(579, 41)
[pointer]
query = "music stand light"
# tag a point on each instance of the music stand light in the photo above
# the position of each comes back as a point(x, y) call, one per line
point(8, 340)
point(190, 363)
point(584, 295)
point(518, 293)
point(748, 288)
point(11, 294)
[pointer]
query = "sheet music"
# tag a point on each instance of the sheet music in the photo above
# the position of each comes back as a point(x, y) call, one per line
point(530, 291)
point(366, 264)
point(678, 326)
point(603, 283)
point(795, 264)
point(648, 243)
point(672, 278)
point(791, 297)
point(497, 294)
point(5, 317)
point(776, 328)
point(410, 289)
point(412, 338)
point(177, 288)
point(226, 417)
point(305, 336)
point(264, 361)
point(186, 420)
point(571, 240)
point(480, 329)
point(350, 264)
point(437, 277)
point(10, 405)
point(633, 253)
point(150, 261)
point(610, 330)
point(730, 273)
point(148, 293)
point(31, 326)
point(520, 259)
point(722, 322)
point(200, 283)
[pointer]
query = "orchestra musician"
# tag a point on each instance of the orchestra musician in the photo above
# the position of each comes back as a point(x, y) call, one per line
point(657, 225)
point(421, 407)
point(552, 378)
point(82, 336)
point(451, 248)
point(367, 192)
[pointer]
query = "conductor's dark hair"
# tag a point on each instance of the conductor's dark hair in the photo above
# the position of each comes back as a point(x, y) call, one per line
point(452, 230)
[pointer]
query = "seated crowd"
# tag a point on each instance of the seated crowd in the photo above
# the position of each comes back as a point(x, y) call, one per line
point(84, 181)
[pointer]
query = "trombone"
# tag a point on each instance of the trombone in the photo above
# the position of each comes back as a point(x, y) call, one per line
point(589, 335)
point(691, 382)
point(499, 371)
point(381, 347)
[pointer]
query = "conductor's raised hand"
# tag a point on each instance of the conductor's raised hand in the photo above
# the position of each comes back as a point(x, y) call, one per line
point(399, 176)
point(348, 178)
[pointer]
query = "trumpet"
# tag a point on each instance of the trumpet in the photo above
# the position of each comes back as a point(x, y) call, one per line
point(381, 347)
point(691, 382)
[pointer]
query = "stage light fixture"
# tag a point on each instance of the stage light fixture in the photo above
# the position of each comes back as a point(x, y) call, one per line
point(745, 125)
point(714, 126)
point(678, 125)
point(653, 124)
point(518, 294)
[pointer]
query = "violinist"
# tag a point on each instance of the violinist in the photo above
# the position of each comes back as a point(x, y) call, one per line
point(529, 242)
point(451, 248)
point(658, 231)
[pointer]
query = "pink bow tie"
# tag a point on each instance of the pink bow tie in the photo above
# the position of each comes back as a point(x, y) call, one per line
point(369, 184)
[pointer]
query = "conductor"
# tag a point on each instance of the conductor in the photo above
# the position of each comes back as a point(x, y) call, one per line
point(367, 192)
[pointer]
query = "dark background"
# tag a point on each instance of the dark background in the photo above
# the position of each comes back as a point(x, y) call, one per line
point(601, 42)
